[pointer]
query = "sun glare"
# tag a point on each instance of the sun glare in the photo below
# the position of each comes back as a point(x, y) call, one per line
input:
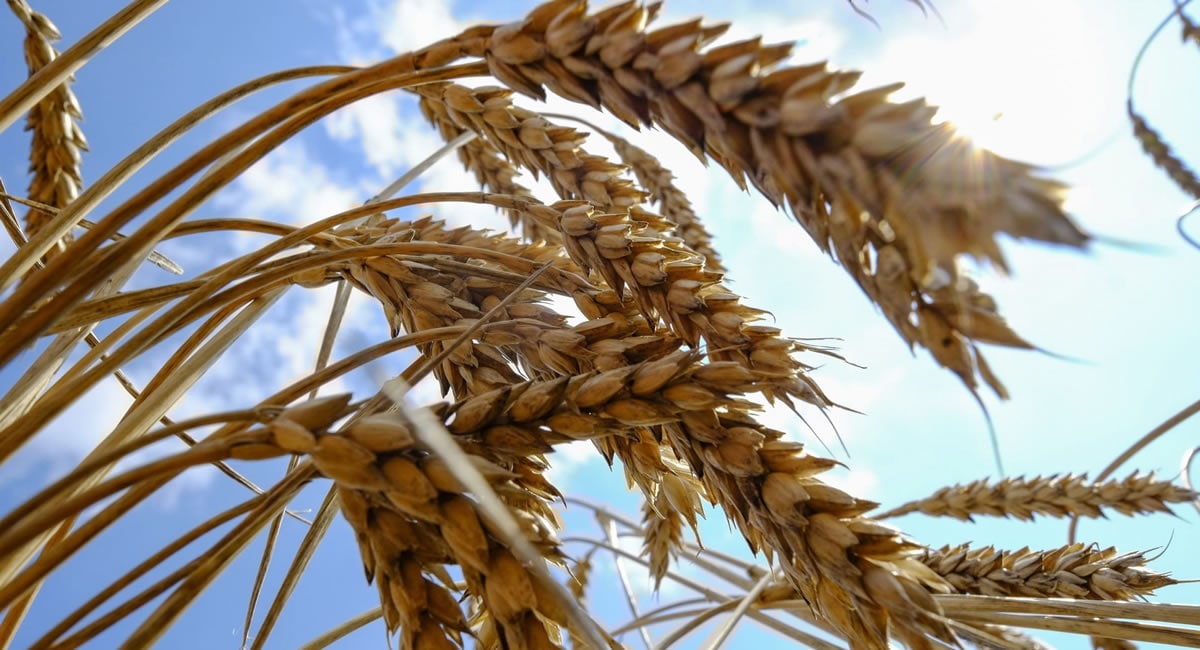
point(994, 71)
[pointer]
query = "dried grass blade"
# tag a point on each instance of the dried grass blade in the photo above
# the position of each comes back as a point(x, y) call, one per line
point(14, 230)
point(214, 562)
point(22, 261)
point(610, 531)
point(695, 619)
point(115, 587)
point(1092, 627)
point(1138, 445)
point(65, 65)
point(1133, 610)
point(61, 545)
point(141, 416)
point(722, 633)
point(346, 627)
point(337, 313)
point(801, 611)
point(308, 546)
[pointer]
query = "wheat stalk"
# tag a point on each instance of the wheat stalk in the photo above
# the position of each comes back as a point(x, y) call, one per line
point(1057, 495)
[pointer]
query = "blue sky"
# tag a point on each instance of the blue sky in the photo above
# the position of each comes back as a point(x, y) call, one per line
point(1054, 73)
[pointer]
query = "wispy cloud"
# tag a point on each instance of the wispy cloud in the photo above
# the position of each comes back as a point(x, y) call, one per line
point(291, 186)
point(376, 126)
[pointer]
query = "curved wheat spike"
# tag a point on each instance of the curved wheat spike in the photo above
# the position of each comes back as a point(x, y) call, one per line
point(863, 175)
point(1072, 571)
point(1160, 152)
point(58, 142)
point(1152, 143)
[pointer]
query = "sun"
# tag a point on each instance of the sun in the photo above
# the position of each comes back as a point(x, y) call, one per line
point(1007, 82)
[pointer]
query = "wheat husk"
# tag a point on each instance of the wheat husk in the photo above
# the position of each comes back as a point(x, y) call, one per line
point(1057, 495)
point(1074, 571)
point(58, 143)
point(1160, 152)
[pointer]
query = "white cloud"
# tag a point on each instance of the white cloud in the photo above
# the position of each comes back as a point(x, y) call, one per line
point(290, 186)
point(392, 27)
point(406, 25)
point(376, 124)
point(77, 431)
point(570, 459)
point(84, 425)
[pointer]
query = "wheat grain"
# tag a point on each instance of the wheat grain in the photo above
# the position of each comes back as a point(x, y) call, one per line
point(1105, 643)
point(58, 143)
point(677, 503)
point(1072, 571)
point(1057, 495)
point(1160, 152)
point(673, 203)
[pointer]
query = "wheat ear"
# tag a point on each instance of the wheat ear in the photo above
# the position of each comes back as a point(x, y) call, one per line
point(1073, 571)
point(1160, 152)
point(56, 153)
point(1056, 495)
point(870, 179)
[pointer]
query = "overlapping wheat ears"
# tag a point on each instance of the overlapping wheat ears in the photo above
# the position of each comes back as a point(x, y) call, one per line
point(664, 371)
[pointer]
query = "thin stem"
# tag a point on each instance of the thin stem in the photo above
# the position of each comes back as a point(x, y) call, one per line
point(53, 74)
point(609, 527)
point(722, 633)
point(142, 569)
point(1141, 443)
point(312, 539)
point(340, 631)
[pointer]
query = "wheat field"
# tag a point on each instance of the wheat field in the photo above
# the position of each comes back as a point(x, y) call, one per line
point(292, 395)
